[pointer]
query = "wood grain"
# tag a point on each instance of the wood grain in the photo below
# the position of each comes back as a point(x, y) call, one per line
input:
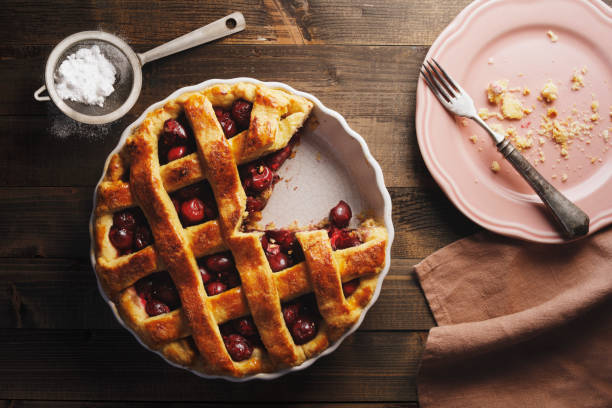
point(63, 294)
point(148, 404)
point(80, 365)
point(405, 22)
point(52, 222)
point(61, 346)
point(382, 113)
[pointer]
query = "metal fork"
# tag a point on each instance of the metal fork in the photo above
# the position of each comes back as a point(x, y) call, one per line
point(572, 220)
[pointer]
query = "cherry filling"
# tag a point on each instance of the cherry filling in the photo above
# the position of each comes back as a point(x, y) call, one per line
point(236, 119)
point(259, 176)
point(240, 337)
point(302, 318)
point(219, 273)
point(130, 231)
point(340, 237)
point(158, 293)
point(348, 288)
point(176, 141)
point(281, 249)
point(195, 204)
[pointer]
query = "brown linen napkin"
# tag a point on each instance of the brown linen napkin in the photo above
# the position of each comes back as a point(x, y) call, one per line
point(520, 324)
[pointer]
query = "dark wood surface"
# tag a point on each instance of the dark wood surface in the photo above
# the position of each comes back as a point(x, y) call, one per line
point(59, 343)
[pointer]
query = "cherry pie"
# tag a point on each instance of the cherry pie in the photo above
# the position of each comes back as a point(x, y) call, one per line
point(177, 253)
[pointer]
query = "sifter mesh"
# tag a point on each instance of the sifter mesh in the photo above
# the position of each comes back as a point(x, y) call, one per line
point(123, 80)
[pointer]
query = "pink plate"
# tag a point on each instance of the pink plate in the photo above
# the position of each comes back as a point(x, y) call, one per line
point(506, 39)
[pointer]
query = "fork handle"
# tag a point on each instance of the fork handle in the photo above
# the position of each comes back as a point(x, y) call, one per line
point(573, 221)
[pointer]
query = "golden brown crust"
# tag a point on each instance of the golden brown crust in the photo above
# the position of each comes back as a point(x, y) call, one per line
point(190, 335)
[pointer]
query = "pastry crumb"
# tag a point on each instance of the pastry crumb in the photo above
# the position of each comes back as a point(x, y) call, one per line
point(495, 167)
point(549, 92)
point(564, 177)
point(496, 90)
point(491, 61)
point(512, 108)
point(552, 36)
point(523, 142)
point(578, 80)
point(551, 113)
point(526, 91)
point(595, 106)
point(474, 139)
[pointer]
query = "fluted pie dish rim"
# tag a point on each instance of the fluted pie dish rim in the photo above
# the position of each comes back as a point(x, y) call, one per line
point(348, 136)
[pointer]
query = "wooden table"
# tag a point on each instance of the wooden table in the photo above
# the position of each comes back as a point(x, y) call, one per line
point(59, 341)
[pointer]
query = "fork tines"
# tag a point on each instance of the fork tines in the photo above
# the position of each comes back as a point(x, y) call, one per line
point(439, 81)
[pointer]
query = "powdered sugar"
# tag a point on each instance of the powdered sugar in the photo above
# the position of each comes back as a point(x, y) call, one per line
point(86, 76)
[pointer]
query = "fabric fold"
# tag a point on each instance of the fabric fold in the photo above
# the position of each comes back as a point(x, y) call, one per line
point(521, 324)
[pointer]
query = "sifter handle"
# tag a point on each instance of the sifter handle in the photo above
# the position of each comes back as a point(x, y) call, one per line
point(225, 26)
point(38, 92)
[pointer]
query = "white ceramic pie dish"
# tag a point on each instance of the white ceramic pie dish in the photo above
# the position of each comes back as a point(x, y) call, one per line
point(332, 163)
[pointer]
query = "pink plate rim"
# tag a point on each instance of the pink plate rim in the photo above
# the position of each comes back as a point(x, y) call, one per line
point(454, 191)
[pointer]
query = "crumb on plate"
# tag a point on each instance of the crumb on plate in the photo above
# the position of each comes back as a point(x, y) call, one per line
point(496, 90)
point(549, 92)
point(552, 36)
point(512, 108)
point(495, 167)
point(578, 80)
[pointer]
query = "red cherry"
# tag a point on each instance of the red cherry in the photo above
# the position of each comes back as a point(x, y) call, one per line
point(230, 278)
point(342, 239)
point(220, 263)
point(241, 113)
point(276, 160)
point(303, 330)
point(227, 123)
point(278, 262)
point(174, 133)
point(254, 204)
point(192, 211)
point(245, 326)
point(214, 288)
point(176, 153)
point(154, 307)
point(144, 288)
point(340, 215)
point(271, 249)
point(124, 219)
point(206, 276)
point(260, 178)
point(168, 295)
point(142, 237)
point(285, 239)
point(121, 238)
point(291, 313)
point(350, 287)
point(238, 347)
